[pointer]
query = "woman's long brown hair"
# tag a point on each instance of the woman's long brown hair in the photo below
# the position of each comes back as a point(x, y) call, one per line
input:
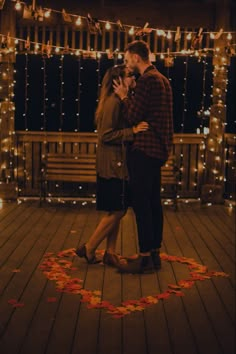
point(107, 87)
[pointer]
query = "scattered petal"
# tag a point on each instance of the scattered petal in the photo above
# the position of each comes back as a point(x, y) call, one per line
point(12, 301)
point(54, 267)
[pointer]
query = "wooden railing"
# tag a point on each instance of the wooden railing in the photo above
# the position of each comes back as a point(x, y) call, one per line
point(66, 35)
point(33, 146)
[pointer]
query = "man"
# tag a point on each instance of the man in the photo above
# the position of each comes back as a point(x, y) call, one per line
point(152, 102)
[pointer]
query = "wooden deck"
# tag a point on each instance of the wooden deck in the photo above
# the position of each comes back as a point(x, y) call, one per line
point(35, 318)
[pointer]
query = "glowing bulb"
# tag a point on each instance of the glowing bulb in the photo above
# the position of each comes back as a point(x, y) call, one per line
point(108, 25)
point(78, 22)
point(47, 13)
point(18, 5)
point(161, 33)
point(169, 35)
point(131, 31)
point(189, 36)
point(229, 36)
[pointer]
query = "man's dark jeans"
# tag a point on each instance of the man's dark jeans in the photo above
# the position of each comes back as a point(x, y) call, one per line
point(145, 183)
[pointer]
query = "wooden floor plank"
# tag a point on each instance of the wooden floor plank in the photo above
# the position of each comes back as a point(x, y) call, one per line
point(131, 290)
point(181, 335)
point(13, 221)
point(201, 322)
point(66, 316)
point(218, 235)
point(6, 209)
point(17, 287)
point(206, 339)
point(45, 313)
point(225, 222)
point(207, 257)
point(93, 280)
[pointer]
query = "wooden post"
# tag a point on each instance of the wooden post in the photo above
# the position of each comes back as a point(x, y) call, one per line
point(213, 190)
point(8, 188)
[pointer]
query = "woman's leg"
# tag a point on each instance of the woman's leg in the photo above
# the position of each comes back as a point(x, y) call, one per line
point(107, 227)
point(112, 237)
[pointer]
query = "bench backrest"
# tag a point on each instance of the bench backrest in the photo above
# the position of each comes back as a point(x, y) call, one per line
point(82, 168)
point(70, 167)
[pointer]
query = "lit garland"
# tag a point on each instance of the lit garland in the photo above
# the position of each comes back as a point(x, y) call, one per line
point(26, 93)
point(7, 133)
point(78, 94)
point(202, 113)
point(95, 24)
point(215, 144)
point(45, 99)
point(62, 114)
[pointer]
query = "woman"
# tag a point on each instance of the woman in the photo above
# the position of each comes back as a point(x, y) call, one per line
point(112, 176)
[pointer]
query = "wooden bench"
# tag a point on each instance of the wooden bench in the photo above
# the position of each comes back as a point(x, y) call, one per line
point(66, 167)
point(169, 179)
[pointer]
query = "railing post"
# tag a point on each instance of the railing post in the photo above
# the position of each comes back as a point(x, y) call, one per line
point(8, 188)
point(213, 190)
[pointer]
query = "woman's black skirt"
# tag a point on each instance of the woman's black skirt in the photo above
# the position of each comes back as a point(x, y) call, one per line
point(112, 194)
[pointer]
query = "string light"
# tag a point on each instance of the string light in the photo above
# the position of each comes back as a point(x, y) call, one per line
point(62, 114)
point(7, 133)
point(18, 5)
point(78, 93)
point(78, 22)
point(108, 25)
point(25, 114)
point(184, 95)
point(45, 99)
point(131, 31)
point(203, 114)
point(69, 16)
point(47, 13)
point(169, 35)
point(189, 36)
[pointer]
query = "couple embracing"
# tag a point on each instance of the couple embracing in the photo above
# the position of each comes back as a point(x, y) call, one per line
point(135, 135)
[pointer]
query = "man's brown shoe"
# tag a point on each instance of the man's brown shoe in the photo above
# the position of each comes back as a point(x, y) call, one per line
point(140, 265)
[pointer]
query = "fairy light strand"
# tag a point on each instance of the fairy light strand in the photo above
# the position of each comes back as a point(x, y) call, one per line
point(45, 99)
point(25, 114)
point(78, 98)
point(62, 114)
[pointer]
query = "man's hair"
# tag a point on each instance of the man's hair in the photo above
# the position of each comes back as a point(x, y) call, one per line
point(139, 47)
